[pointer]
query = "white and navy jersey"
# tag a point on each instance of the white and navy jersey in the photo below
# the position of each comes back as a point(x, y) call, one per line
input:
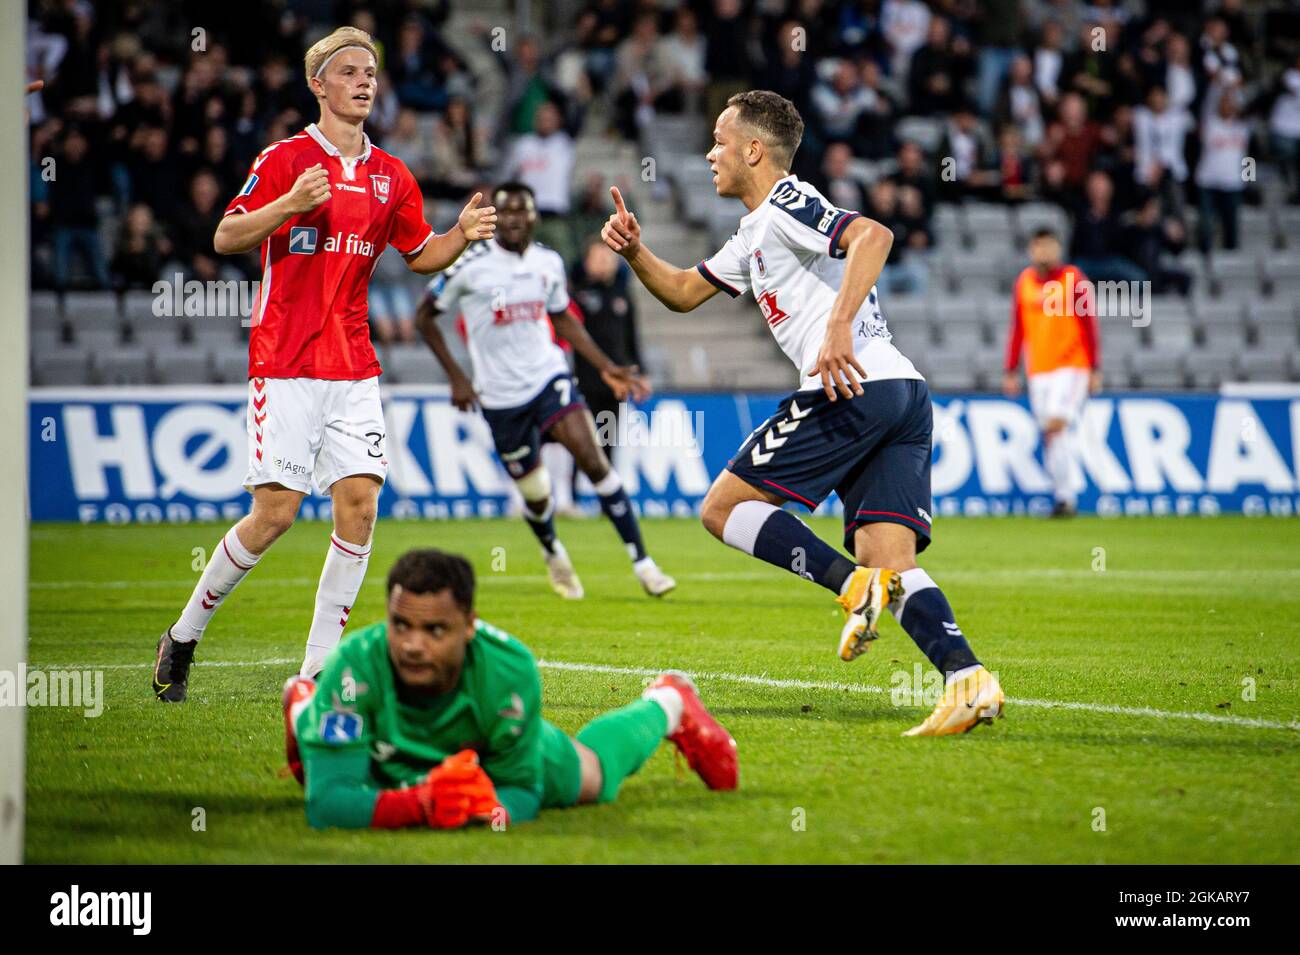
point(505, 299)
point(785, 253)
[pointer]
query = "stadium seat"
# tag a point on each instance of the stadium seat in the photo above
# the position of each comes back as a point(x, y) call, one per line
point(1209, 369)
point(925, 131)
point(966, 337)
point(96, 340)
point(1234, 271)
point(182, 366)
point(1032, 216)
point(215, 333)
point(120, 366)
point(1171, 325)
point(1118, 339)
point(1264, 366)
point(64, 366)
point(44, 339)
point(1157, 369)
point(230, 365)
point(158, 336)
point(913, 338)
point(1283, 274)
point(412, 365)
point(947, 371)
point(44, 310)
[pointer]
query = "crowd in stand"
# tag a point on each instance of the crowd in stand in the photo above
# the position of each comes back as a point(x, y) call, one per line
point(1126, 113)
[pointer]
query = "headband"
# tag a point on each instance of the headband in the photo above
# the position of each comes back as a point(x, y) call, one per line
point(354, 46)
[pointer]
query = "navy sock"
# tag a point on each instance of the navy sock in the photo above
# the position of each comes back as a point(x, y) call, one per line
point(929, 621)
point(784, 541)
point(616, 506)
point(543, 525)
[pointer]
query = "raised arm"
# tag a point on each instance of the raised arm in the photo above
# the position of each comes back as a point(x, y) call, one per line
point(680, 289)
point(239, 232)
point(442, 250)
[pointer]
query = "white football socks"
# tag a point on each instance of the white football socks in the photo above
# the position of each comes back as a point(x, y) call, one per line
point(1057, 456)
point(670, 701)
point(340, 582)
point(229, 562)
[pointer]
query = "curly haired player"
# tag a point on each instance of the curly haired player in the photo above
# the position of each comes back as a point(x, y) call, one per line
point(433, 719)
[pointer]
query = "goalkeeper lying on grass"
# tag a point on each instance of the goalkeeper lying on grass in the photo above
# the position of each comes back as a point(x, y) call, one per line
point(434, 719)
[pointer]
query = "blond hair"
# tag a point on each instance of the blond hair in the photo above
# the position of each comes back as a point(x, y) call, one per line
point(340, 39)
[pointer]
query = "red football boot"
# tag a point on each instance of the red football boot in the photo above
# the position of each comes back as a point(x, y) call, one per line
point(706, 744)
point(297, 692)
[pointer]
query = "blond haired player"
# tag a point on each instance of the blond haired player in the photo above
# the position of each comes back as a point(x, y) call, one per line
point(323, 205)
point(1054, 322)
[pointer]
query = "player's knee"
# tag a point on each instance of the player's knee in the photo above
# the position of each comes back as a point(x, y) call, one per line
point(714, 513)
point(270, 522)
point(535, 486)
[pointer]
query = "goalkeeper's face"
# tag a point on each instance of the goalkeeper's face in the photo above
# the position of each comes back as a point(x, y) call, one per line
point(427, 636)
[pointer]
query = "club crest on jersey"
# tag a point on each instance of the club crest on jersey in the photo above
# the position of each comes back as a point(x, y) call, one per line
point(380, 184)
point(771, 311)
point(758, 260)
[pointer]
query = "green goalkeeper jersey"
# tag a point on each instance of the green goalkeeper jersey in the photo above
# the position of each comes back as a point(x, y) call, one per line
point(362, 733)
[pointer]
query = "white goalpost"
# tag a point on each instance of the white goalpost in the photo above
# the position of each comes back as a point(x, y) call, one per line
point(14, 276)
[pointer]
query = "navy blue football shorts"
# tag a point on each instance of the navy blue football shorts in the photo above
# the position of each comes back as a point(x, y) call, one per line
point(873, 451)
point(518, 433)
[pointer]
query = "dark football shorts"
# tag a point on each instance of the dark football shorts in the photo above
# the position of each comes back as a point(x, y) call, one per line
point(518, 432)
point(873, 451)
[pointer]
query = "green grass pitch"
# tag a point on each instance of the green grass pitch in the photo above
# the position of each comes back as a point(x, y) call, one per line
point(1154, 628)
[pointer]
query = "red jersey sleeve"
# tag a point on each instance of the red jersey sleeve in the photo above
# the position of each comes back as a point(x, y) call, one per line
point(409, 232)
point(1016, 334)
point(268, 180)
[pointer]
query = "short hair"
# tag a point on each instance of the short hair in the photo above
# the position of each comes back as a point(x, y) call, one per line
point(514, 185)
point(776, 119)
point(340, 39)
point(1043, 232)
point(429, 571)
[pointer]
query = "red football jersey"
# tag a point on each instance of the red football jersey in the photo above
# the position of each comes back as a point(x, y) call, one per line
point(311, 318)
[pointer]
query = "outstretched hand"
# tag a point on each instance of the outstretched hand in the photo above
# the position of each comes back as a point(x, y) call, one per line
point(476, 223)
point(626, 381)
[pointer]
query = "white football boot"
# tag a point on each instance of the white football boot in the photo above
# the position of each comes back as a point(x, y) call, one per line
point(655, 582)
point(564, 579)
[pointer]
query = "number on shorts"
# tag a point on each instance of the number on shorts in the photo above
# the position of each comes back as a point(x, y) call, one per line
point(564, 386)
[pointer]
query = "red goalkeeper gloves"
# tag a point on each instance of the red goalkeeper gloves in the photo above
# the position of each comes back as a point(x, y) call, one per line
point(455, 793)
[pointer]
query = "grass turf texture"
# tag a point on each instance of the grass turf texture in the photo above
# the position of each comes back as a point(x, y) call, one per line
point(1183, 612)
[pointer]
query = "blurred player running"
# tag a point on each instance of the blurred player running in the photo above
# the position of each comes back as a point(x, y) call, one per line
point(1054, 320)
point(323, 205)
point(860, 423)
point(505, 289)
point(434, 719)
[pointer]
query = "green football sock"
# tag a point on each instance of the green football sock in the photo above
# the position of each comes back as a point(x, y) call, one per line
point(623, 740)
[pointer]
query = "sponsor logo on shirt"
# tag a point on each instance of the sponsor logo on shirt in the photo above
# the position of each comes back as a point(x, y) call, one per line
point(302, 240)
point(336, 727)
point(249, 185)
point(346, 188)
point(518, 312)
point(771, 311)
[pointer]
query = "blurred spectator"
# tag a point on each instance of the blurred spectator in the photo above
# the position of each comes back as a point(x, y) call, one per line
point(527, 89)
point(609, 314)
point(1019, 103)
point(843, 189)
point(1284, 126)
point(1069, 147)
point(1092, 70)
point(1149, 239)
point(905, 25)
point(543, 160)
point(153, 172)
point(408, 142)
point(1097, 236)
point(841, 103)
point(904, 272)
point(967, 156)
point(458, 152)
point(643, 80)
point(1220, 177)
point(140, 251)
point(1016, 172)
point(73, 218)
point(1049, 62)
point(938, 71)
point(682, 53)
point(1159, 135)
point(727, 53)
point(195, 226)
point(913, 173)
point(999, 41)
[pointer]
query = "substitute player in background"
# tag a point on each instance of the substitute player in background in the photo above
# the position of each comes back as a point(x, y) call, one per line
point(1053, 317)
point(323, 205)
point(435, 719)
point(860, 423)
point(505, 289)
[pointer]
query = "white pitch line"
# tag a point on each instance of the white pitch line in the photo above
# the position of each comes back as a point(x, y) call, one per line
point(778, 684)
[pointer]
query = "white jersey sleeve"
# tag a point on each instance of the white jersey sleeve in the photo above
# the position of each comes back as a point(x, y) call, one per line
point(812, 225)
point(728, 268)
point(557, 285)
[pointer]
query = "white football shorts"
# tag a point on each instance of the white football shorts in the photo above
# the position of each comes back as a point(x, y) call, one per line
point(1058, 394)
point(305, 431)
